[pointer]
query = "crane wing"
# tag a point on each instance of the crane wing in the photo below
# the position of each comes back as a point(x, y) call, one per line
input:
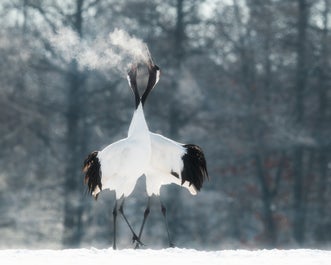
point(186, 162)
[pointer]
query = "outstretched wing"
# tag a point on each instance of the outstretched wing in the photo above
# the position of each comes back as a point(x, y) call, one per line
point(184, 164)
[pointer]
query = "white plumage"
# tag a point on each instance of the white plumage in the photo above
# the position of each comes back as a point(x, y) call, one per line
point(166, 160)
point(123, 162)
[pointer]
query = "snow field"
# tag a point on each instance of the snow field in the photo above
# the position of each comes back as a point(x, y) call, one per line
point(165, 257)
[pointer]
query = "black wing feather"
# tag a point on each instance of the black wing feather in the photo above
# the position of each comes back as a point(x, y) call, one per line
point(92, 170)
point(195, 166)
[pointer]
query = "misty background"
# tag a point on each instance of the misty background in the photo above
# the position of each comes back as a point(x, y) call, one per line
point(247, 80)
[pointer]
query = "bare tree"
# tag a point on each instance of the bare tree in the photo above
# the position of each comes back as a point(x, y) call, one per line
point(300, 87)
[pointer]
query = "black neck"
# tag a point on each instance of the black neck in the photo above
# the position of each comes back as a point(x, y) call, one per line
point(152, 80)
point(133, 84)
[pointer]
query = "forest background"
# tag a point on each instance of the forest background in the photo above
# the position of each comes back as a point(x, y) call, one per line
point(247, 80)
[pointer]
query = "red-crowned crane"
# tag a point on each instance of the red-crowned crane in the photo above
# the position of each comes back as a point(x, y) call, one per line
point(118, 166)
point(170, 161)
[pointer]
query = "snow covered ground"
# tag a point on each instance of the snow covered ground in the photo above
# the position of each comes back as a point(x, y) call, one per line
point(166, 256)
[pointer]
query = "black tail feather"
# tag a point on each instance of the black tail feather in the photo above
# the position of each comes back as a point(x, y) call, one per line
point(195, 166)
point(92, 170)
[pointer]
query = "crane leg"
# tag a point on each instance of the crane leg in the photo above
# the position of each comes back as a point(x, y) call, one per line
point(164, 213)
point(135, 237)
point(114, 224)
point(146, 213)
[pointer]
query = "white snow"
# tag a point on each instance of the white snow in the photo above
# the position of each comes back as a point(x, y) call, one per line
point(166, 256)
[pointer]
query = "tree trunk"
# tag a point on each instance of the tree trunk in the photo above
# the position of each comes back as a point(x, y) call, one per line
point(73, 184)
point(266, 196)
point(178, 57)
point(322, 119)
point(299, 214)
point(175, 113)
point(179, 34)
point(248, 73)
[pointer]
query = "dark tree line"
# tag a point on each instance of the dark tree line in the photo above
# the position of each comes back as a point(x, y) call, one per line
point(248, 80)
